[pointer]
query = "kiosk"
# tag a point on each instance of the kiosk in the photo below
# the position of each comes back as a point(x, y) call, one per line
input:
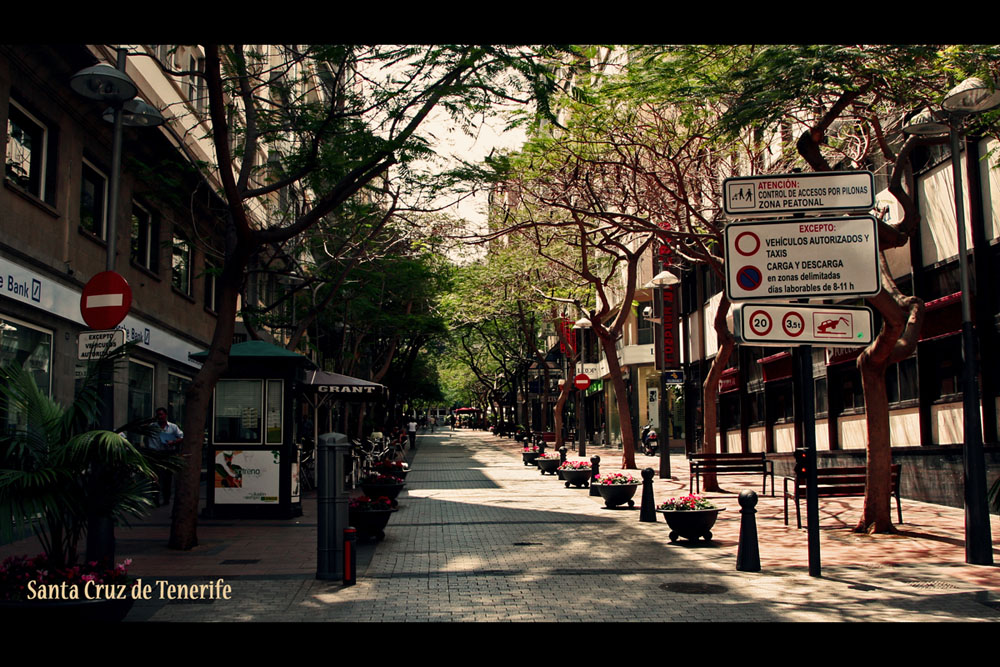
point(253, 455)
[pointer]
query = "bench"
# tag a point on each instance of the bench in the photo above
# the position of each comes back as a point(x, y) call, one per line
point(730, 464)
point(840, 482)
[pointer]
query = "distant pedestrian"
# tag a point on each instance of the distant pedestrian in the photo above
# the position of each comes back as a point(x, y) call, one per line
point(411, 431)
point(434, 422)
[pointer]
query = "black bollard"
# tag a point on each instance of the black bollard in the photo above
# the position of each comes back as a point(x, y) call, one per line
point(350, 556)
point(595, 470)
point(562, 454)
point(541, 443)
point(748, 553)
point(647, 511)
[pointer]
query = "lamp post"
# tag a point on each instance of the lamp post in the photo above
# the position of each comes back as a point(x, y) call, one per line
point(661, 281)
point(105, 83)
point(969, 97)
point(581, 325)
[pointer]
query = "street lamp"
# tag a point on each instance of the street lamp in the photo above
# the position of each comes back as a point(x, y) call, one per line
point(659, 282)
point(105, 83)
point(967, 98)
point(581, 325)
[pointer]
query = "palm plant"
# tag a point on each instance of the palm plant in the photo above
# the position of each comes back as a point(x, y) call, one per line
point(57, 472)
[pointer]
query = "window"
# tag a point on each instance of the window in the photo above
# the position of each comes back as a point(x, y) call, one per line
point(165, 54)
point(93, 200)
point(140, 394)
point(145, 249)
point(195, 88)
point(644, 328)
point(212, 287)
point(28, 161)
point(901, 381)
point(31, 349)
point(239, 406)
point(181, 264)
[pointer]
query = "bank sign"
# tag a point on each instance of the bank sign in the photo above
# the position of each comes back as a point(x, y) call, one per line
point(786, 194)
point(803, 258)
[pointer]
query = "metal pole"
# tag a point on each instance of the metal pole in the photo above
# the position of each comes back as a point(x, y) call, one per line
point(978, 543)
point(116, 170)
point(581, 423)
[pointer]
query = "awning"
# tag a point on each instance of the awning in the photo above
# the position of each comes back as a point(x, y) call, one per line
point(343, 387)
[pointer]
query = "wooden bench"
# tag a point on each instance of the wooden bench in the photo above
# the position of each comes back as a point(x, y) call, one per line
point(840, 482)
point(730, 464)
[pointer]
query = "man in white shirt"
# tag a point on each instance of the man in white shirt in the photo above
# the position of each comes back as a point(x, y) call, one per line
point(411, 431)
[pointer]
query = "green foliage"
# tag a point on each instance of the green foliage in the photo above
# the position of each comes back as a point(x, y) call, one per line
point(56, 470)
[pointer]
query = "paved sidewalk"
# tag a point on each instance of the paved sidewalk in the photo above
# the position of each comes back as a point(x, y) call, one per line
point(481, 537)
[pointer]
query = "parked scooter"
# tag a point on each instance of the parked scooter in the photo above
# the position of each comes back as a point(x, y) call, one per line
point(649, 441)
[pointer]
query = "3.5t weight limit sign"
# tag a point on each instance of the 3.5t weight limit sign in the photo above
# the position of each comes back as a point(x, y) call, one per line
point(794, 324)
point(804, 258)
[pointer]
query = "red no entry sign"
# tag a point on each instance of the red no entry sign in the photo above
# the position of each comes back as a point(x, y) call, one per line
point(581, 381)
point(105, 301)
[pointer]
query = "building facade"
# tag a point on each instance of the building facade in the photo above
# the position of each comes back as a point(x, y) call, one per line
point(54, 223)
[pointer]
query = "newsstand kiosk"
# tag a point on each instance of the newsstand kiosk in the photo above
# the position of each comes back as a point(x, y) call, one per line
point(253, 455)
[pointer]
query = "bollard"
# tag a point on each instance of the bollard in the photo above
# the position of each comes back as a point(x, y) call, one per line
point(350, 556)
point(647, 511)
point(595, 470)
point(748, 553)
point(333, 452)
point(540, 441)
point(562, 454)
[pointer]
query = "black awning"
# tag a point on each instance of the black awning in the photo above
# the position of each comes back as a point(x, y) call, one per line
point(343, 387)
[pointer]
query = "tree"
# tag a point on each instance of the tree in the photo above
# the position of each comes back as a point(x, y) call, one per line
point(850, 103)
point(327, 122)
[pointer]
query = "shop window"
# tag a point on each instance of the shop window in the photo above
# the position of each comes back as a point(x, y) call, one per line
point(945, 370)
point(820, 398)
point(29, 162)
point(181, 264)
point(140, 394)
point(780, 401)
point(177, 386)
point(244, 415)
point(30, 348)
point(93, 200)
point(145, 248)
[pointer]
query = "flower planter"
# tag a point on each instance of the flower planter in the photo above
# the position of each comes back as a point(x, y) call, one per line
point(390, 491)
point(617, 494)
point(548, 466)
point(691, 524)
point(529, 457)
point(580, 477)
point(369, 523)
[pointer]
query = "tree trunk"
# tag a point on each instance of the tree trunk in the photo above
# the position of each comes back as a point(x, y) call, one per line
point(710, 389)
point(621, 397)
point(183, 528)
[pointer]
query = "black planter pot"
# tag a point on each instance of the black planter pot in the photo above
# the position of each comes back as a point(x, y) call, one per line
point(547, 466)
point(529, 457)
point(369, 523)
point(401, 474)
point(578, 478)
point(691, 524)
point(390, 491)
point(66, 611)
point(618, 494)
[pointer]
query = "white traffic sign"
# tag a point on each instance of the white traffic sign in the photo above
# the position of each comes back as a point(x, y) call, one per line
point(804, 258)
point(785, 194)
point(95, 344)
point(784, 325)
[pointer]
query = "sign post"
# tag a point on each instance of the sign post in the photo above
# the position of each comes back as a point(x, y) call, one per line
point(800, 259)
